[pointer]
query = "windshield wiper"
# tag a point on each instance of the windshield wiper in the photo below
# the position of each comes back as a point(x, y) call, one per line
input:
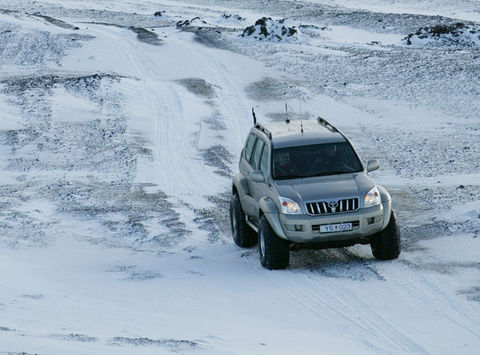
point(332, 173)
point(286, 177)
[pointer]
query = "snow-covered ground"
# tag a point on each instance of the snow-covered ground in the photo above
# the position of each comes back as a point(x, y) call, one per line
point(460, 9)
point(121, 125)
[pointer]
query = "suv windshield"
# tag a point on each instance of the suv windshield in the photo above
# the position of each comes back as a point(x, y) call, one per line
point(315, 160)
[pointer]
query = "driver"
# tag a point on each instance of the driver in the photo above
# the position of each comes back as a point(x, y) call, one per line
point(283, 164)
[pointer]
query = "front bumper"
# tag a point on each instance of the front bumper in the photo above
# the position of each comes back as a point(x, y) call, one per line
point(365, 222)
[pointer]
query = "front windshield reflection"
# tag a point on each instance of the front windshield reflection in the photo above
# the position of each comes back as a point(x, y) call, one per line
point(315, 160)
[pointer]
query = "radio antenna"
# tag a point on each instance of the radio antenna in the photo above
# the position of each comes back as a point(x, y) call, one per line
point(299, 98)
point(286, 113)
point(298, 85)
point(254, 117)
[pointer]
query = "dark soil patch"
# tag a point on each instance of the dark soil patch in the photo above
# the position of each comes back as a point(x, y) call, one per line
point(146, 36)
point(272, 89)
point(75, 337)
point(215, 220)
point(199, 87)
point(174, 344)
point(219, 157)
point(56, 22)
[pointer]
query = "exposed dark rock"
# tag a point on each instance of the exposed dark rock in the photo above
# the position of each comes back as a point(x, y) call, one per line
point(187, 23)
point(267, 29)
point(233, 17)
point(447, 34)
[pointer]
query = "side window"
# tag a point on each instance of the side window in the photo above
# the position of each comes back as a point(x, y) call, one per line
point(257, 153)
point(264, 162)
point(249, 146)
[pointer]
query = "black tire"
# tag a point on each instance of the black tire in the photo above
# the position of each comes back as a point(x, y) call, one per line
point(243, 235)
point(386, 243)
point(274, 251)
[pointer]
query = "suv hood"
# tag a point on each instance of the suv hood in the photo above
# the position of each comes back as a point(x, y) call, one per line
point(325, 187)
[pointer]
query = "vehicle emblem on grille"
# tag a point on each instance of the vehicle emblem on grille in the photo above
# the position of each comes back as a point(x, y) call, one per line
point(333, 205)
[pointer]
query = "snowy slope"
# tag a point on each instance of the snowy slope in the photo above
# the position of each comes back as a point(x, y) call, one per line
point(120, 131)
point(463, 9)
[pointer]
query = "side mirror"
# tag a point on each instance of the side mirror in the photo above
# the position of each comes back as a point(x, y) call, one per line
point(373, 165)
point(257, 176)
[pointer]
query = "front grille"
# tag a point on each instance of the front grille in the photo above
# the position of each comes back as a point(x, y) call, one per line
point(332, 206)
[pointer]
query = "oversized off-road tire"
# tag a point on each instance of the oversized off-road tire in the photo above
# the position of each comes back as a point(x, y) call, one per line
point(386, 243)
point(243, 235)
point(274, 251)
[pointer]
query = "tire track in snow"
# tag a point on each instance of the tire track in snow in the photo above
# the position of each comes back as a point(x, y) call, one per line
point(230, 100)
point(172, 146)
point(345, 313)
point(179, 167)
point(455, 313)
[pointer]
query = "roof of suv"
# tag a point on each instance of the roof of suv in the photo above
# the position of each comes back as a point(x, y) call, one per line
point(290, 134)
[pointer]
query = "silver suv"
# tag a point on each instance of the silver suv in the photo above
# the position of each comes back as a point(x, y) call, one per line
point(302, 185)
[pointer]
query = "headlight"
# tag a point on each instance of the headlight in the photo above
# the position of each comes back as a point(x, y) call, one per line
point(289, 206)
point(372, 198)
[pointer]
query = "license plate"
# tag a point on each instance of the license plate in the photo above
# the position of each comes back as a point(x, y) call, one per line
point(340, 227)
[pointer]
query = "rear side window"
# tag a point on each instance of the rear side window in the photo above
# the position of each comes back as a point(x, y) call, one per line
point(249, 146)
point(257, 154)
point(264, 162)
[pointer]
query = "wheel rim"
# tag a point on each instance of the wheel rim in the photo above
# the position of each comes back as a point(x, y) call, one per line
point(262, 244)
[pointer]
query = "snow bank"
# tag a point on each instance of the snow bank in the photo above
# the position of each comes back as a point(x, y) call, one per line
point(457, 34)
point(463, 212)
point(272, 30)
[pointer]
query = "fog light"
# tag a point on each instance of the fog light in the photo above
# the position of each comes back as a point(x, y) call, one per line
point(370, 220)
point(298, 227)
point(294, 227)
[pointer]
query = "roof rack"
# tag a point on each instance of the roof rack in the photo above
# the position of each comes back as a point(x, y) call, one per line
point(327, 124)
point(264, 130)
